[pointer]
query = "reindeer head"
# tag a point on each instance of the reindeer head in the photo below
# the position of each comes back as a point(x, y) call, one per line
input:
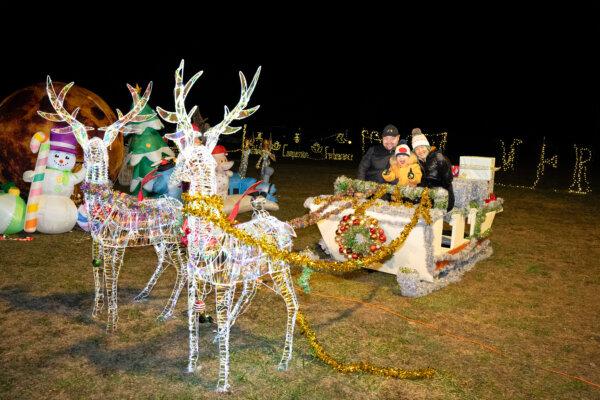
point(95, 149)
point(195, 162)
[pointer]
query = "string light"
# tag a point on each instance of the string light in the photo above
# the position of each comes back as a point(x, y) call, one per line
point(293, 154)
point(580, 183)
point(297, 137)
point(342, 138)
point(552, 161)
point(440, 140)
point(508, 159)
point(370, 137)
point(337, 156)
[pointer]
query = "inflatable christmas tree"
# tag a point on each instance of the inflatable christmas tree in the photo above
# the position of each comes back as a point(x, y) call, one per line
point(146, 150)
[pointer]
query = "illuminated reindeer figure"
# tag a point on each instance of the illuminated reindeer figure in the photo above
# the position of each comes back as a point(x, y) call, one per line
point(117, 220)
point(214, 258)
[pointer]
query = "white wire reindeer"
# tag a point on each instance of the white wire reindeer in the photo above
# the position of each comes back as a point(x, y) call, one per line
point(215, 258)
point(118, 221)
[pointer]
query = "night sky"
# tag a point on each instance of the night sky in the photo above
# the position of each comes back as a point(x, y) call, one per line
point(473, 80)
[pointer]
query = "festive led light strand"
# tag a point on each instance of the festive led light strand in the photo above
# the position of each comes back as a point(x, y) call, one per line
point(552, 161)
point(579, 182)
point(442, 137)
point(508, 159)
point(370, 136)
point(342, 138)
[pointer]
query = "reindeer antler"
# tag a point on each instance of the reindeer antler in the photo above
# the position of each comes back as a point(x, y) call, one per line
point(112, 130)
point(62, 115)
point(238, 112)
point(185, 132)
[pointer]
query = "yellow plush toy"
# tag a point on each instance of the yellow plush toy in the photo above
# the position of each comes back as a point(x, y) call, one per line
point(404, 167)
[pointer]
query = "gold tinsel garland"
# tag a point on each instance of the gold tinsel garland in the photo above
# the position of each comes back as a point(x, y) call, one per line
point(210, 208)
point(390, 372)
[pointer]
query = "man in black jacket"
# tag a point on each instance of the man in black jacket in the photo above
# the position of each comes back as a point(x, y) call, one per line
point(436, 168)
point(377, 158)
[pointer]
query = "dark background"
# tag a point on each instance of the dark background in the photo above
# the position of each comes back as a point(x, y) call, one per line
point(500, 74)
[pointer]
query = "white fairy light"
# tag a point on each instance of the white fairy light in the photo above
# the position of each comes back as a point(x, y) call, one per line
point(580, 183)
point(118, 221)
point(509, 158)
point(552, 161)
point(213, 256)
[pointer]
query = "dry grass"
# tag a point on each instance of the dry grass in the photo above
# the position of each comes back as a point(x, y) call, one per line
point(535, 301)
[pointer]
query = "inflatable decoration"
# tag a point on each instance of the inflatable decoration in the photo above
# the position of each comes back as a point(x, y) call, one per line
point(49, 206)
point(19, 120)
point(12, 210)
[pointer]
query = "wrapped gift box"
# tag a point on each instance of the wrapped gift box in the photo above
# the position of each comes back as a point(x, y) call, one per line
point(478, 168)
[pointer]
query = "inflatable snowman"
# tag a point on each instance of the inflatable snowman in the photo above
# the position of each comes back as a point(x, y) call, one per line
point(49, 207)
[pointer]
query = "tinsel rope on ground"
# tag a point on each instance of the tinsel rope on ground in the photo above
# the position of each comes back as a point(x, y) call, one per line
point(322, 355)
point(204, 207)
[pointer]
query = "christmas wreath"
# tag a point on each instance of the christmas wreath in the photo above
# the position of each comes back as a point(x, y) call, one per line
point(359, 236)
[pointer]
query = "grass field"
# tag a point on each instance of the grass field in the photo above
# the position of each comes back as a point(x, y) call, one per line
point(520, 325)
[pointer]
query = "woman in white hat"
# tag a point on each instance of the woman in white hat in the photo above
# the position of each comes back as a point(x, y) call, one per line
point(437, 169)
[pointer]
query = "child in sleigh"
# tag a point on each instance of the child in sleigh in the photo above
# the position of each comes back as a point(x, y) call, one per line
point(404, 167)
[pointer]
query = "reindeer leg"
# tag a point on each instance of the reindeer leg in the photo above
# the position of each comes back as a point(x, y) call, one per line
point(160, 266)
point(285, 286)
point(98, 278)
point(243, 301)
point(224, 299)
point(193, 324)
point(175, 258)
point(113, 259)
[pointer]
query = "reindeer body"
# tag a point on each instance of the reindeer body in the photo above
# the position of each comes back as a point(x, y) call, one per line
point(216, 258)
point(116, 221)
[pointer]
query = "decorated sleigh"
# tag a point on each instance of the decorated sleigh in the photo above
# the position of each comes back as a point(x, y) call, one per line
point(433, 254)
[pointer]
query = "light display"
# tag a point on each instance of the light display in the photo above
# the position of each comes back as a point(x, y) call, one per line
point(368, 137)
point(118, 221)
point(276, 146)
point(316, 147)
point(342, 138)
point(508, 158)
point(552, 161)
point(215, 257)
point(580, 183)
